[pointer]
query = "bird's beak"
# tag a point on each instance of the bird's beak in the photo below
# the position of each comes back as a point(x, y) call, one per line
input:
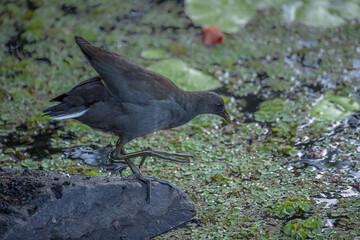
point(226, 116)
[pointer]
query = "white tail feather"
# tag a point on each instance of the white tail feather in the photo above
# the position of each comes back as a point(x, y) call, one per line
point(72, 115)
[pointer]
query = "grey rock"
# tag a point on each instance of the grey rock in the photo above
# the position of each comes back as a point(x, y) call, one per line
point(47, 205)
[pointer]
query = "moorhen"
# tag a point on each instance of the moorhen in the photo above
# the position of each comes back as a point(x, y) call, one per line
point(130, 101)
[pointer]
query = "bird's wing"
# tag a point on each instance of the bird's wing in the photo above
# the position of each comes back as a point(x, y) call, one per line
point(126, 81)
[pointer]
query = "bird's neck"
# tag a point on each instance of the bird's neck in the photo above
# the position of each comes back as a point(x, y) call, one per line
point(194, 102)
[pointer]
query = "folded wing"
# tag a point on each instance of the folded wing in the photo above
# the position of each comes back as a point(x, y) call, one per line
point(78, 100)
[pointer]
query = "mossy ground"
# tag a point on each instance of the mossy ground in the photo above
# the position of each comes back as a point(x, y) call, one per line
point(267, 175)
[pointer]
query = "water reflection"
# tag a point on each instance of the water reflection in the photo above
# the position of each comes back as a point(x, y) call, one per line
point(330, 156)
point(99, 157)
point(328, 201)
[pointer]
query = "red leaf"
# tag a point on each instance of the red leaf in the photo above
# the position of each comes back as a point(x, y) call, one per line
point(212, 35)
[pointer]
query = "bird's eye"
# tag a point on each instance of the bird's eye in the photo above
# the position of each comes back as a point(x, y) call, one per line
point(220, 105)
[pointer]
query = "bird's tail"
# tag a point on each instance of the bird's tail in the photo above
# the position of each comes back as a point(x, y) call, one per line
point(63, 111)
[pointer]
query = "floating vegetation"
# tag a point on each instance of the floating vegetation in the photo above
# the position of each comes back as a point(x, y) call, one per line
point(288, 164)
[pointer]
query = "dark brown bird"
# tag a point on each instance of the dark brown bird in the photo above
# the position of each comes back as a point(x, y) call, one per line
point(130, 101)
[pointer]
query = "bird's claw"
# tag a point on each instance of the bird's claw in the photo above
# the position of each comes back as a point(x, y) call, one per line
point(148, 180)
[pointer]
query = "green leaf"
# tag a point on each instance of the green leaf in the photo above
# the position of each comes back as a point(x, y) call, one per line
point(332, 107)
point(313, 223)
point(271, 110)
point(184, 76)
point(302, 234)
point(288, 228)
point(288, 210)
point(153, 53)
point(77, 127)
point(348, 9)
point(317, 14)
point(262, 4)
point(228, 15)
point(305, 207)
point(220, 178)
point(3, 95)
point(29, 164)
point(4, 158)
point(90, 173)
point(322, 13)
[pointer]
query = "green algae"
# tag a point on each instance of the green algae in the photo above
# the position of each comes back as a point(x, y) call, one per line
point(242, 175)
point(153, 53)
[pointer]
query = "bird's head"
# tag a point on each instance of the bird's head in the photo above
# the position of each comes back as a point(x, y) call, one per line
point(212, 103)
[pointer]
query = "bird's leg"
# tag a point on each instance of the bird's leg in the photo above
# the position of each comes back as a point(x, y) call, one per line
point(137, 173)
point(118, 150)
point(119, 154)
point(142, 161)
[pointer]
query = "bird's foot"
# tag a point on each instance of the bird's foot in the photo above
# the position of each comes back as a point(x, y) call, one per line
point(119, 155)
point(118, 169)
point(176, 157)
point(147, 180)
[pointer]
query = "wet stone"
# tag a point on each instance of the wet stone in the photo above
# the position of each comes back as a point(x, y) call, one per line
point(35, 206)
